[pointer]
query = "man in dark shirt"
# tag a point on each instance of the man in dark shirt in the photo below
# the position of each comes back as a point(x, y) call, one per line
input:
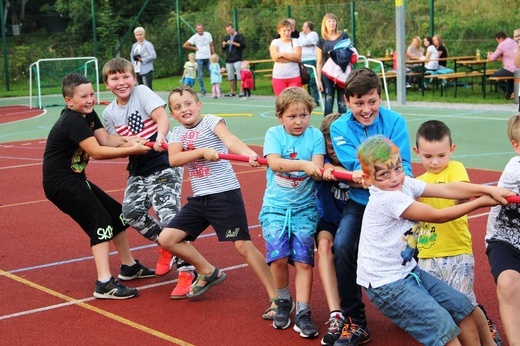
point(233, 45)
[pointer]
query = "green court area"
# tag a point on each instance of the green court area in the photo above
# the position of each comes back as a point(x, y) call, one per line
point(479, 131)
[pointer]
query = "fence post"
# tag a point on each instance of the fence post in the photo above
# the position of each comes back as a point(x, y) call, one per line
point(517, 84)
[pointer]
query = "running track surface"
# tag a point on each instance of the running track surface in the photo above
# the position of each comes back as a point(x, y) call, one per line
point(47, 273)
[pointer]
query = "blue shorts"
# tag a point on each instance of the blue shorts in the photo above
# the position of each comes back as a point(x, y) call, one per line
point(289, 233)
point(189, 81)
point(425, 307)
point(225, 211)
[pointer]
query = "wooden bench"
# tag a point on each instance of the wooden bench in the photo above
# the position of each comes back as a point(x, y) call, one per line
point(442, 78)
point(498, 80)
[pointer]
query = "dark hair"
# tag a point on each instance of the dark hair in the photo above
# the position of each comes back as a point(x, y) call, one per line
point(433, 131)
point(501, 35)
point(361, 82)
point(310, 25)
point(229, 25)
point(70, 82)
point(429, 38)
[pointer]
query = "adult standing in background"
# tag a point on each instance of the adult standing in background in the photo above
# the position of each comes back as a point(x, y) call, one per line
point(286, 53)
point(506, 50)
point(202, 44)
point(142, 57)
point(309, 39)
point(516, 37)
point(330, 35)
point(233, 44)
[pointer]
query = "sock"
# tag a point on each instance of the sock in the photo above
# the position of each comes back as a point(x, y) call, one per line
point(301, 306)
point(284, 293)
point(333, 314)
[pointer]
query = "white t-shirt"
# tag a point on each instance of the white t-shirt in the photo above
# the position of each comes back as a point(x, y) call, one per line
point(202, 42)
point(309, 52)
point(206, 177)
point(142, 102)
point(288, 69)
point(433, 60)
point(387, 240)
point(504, 220)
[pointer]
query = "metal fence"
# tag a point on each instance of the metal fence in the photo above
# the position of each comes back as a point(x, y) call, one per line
point(465, 26)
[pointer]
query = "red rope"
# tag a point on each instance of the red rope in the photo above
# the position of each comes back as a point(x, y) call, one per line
point(338, 175)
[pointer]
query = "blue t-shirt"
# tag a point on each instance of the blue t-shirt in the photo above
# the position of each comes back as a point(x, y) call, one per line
point(294, 189)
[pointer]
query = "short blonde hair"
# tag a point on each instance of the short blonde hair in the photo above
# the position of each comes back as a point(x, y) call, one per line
point(291, 96)
point(513, 128)
point(326, 122)
point(139, 29)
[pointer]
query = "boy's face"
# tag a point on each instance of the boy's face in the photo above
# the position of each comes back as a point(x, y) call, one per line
point(295, 119)
point(365, 109)
point(83, 100)
point(435, 156)
point(121, 84)
point(388, 175)
point(185, 109)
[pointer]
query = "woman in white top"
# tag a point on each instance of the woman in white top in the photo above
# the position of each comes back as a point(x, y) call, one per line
point(431, 58)
point(286, 52)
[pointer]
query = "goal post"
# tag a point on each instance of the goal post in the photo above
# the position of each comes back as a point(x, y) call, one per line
point(50, 72)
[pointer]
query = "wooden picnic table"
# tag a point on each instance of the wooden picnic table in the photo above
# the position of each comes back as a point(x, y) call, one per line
point(478, 66)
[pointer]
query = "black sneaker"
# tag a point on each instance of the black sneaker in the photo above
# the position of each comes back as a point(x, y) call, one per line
point(353, 334)
point(113, 289)
point(137, 271)
point(203, 93)
point(284, 307)
point(230, 95)
point(336, 324)
point(303, 324)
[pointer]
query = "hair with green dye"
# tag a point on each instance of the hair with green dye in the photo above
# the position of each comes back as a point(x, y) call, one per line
point(375, 149)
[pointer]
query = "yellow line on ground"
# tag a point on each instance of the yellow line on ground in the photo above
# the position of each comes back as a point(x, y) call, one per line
point(102, 312)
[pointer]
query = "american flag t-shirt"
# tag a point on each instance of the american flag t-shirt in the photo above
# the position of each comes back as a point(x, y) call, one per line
point(135, 122)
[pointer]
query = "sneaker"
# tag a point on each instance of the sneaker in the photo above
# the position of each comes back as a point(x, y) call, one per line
point(492, 327)
point(352, 335)
point(113, 289)
point(303, 324)
point(165, 262)
point(284, 308)
point(230, 95)
point(183, 285)
point(408, 85)
point(203, 93)
point(333, 333)
point(137, 271)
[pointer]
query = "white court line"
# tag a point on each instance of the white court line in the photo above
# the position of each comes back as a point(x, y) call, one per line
point(89, 299)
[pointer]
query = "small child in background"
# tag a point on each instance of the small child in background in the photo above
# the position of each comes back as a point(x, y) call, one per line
point(445, 249)
point(190, 71)
point(215, 75)
point(289, 215)
point(247, 80)
point(503, 241)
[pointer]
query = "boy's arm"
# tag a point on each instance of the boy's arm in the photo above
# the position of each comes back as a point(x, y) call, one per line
point(234, 144)
point(178, 157)
point(279, 164)
point(102, 152)
point(163, 126)
point(418, 211)
point(401, 139)
point(459, 190)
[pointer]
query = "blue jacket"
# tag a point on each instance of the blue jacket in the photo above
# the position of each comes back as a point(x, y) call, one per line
point(347, 134)
point(148, 55)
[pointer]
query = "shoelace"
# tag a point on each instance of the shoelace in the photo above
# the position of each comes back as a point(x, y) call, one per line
point(164, 259)
point(348, 329)
point(184, 280)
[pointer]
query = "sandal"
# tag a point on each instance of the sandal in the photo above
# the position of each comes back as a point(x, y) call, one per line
point(211, 280)
point(267, 315)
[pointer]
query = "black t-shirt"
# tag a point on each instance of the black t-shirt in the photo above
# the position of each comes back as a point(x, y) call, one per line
point(442, 48)
point(327, 45)
point(64, 161)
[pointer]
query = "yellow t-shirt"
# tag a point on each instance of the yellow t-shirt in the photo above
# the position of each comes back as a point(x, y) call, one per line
point(450, 238)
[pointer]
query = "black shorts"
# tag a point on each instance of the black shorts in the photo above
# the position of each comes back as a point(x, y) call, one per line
point(326, 226)
point(224, 211)
point(98, 214)
point(502, 256)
